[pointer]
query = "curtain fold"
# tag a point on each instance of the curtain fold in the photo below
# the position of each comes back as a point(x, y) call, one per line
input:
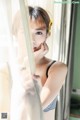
point(65, 55)
point(69, 80)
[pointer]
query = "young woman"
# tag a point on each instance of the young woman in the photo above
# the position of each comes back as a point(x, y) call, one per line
point(51, 73)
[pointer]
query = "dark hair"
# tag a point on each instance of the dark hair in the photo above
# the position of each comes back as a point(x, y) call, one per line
point(36, 12)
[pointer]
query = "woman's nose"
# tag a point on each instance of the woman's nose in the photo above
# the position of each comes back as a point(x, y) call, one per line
point(33, 40)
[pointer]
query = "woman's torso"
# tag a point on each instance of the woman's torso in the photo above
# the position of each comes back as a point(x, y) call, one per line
point(42, 71)
point(42, 68)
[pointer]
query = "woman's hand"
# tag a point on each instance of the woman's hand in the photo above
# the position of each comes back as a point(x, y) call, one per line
point(24, 95)
point(38, 54)
point(27, 77)
point(21, 73)
point(37, 81)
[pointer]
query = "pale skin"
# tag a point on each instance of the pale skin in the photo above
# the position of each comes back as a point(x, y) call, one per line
point(57, 72)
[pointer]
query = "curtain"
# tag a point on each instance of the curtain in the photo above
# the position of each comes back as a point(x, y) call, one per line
point(69, 80)
point(32, 114)
point(66, 56)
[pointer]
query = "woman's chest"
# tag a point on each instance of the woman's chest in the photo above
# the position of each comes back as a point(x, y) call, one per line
point(41, 71)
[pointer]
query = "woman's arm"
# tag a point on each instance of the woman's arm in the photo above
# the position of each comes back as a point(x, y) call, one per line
point(54, 82)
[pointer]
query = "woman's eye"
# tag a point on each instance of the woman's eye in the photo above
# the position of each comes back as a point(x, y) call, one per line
point(39, 33)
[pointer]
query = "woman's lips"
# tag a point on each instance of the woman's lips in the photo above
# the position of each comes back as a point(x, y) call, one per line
point(36, 48)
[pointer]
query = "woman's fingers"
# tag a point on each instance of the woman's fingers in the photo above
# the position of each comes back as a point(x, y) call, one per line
point(41, 52)
point(36, 77)
point(37, 81)
point(45, 48)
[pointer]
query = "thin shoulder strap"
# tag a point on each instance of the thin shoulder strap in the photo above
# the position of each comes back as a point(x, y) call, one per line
point(49, 67)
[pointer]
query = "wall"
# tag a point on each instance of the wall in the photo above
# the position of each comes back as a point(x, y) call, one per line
point(76, 58)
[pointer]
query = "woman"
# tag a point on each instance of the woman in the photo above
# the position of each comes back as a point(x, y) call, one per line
point(51, 73)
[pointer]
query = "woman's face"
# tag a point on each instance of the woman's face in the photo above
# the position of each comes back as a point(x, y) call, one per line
point(38, 31)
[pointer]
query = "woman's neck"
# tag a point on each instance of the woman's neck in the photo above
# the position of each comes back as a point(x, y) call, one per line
point(42, 61)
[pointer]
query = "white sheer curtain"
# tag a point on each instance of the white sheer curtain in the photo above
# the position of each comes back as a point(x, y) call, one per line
point(62, 111)
point(7, 56)
point(5, 82)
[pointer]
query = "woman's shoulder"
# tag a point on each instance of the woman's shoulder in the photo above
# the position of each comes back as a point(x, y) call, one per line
point(59, 64)
point(55, 63)
point(57, 67)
